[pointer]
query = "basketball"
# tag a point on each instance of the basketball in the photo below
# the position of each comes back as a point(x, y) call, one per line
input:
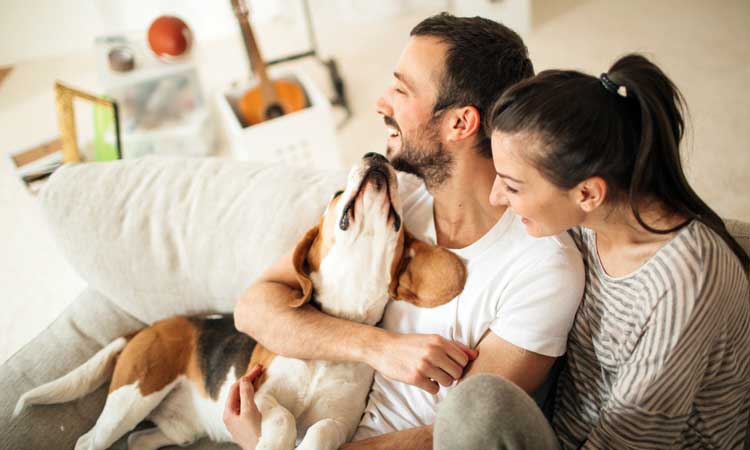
point(169, 37)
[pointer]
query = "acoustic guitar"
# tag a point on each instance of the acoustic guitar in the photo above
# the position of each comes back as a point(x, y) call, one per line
point(270, 98)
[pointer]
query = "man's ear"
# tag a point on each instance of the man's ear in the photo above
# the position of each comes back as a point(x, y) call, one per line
point(427, 276)
point(464, 122)
point(302, 266)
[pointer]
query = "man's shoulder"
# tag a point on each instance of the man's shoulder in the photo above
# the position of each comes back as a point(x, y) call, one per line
point(517, 258)
point(533, 250)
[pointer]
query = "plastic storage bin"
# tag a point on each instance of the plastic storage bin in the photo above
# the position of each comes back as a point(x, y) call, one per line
point(162, 108)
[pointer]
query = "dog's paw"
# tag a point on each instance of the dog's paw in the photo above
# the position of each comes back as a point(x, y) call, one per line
point(20, 406)
point(85, 442)
point(152, 439)
point(137, 440)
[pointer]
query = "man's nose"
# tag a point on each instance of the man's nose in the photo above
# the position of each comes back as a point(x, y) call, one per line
point(383, 105)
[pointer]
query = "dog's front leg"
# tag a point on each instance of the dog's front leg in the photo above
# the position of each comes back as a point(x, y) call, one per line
point(326, 434)
point(278, 429)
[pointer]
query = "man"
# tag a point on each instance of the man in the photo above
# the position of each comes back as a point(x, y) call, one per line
point(521, 293)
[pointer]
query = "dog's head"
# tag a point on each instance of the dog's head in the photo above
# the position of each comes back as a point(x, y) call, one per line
point(360, 253)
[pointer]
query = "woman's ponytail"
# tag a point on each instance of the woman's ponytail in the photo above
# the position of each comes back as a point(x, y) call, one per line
point(625, 126)
point(657, 171)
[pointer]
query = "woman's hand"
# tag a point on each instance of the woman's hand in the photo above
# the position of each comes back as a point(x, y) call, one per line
point(241, 415)
point(422, 360)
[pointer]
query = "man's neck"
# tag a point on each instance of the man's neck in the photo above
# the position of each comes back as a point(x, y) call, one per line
point(462, 209)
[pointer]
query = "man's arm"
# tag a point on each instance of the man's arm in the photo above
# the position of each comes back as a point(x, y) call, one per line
point(526, 369)
point(497, 356)
point(307, 333)
point(419, 438)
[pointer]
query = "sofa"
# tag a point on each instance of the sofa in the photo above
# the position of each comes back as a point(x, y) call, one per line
point(156, 237)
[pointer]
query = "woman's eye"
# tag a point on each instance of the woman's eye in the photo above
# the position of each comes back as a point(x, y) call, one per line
point(399, 91)
point(510, 189)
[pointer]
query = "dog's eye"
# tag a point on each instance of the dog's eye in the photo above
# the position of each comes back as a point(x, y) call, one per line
point(329, 201)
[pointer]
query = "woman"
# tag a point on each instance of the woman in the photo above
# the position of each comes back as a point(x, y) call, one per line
point(659, 355)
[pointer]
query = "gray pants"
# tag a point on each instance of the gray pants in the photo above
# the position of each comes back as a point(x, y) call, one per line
point(487, 412)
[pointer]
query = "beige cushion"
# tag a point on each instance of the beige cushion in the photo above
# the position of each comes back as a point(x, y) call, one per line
point(164, 236)
point(741, 233)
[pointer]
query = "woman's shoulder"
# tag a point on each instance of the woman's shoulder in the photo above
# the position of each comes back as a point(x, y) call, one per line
point(702, 246)
point(695, 265)
point(700, 261)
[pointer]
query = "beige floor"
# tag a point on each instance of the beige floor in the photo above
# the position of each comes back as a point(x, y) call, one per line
point(703, 46)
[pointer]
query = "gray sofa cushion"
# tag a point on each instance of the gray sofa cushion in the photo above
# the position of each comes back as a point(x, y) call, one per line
point(187, 234)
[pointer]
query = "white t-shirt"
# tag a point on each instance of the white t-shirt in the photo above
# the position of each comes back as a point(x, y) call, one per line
point(525, 290)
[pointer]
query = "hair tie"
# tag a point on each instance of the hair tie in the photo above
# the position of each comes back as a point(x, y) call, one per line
point(613, 87)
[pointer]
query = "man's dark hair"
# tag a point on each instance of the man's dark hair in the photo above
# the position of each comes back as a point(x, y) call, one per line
point(483, 59)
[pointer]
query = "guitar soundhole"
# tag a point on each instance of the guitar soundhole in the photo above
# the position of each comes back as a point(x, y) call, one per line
point(274, 111)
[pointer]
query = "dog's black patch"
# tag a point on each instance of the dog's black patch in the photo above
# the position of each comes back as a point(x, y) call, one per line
point(220, 347)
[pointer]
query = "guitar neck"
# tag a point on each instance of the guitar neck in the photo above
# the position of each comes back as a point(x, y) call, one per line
point(256, 60)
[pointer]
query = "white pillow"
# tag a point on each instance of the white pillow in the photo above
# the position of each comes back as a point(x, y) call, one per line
point(163, 236)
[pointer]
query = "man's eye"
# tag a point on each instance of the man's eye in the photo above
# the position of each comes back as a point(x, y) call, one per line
point(399, 91)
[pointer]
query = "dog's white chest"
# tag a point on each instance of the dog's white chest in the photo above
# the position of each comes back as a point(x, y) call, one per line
point(359, 295)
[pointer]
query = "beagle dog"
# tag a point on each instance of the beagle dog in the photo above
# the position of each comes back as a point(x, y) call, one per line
point(177, 372)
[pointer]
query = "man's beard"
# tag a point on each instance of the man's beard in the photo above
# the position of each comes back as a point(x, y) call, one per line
point(424, 155)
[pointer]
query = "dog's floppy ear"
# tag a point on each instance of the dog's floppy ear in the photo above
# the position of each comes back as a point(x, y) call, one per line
point(302, 266)
point(427, 275)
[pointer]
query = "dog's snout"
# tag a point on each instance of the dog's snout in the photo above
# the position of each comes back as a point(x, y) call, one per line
point(376, 156)
point(377, 177)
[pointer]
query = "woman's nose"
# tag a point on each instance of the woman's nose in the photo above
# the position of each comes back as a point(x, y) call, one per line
point(497, 194)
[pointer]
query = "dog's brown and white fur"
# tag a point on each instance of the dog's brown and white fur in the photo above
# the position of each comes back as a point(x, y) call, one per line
point(177, 372)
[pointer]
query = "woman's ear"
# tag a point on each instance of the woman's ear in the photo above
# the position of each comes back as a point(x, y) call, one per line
point(591, 193)
point(427, 275)
point(302, 265)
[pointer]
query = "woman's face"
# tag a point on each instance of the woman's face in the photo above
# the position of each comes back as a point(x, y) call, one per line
point(544, 208)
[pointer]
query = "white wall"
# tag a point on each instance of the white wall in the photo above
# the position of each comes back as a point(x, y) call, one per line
point(35, 29)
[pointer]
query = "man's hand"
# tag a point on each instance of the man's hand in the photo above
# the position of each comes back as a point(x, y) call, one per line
point(241, 416)
point(422, 360)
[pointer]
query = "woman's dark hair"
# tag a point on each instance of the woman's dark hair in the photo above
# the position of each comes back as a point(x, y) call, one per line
point(483, 59)
point(624, 127)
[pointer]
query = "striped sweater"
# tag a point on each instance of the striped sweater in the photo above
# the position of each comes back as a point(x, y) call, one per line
point(659, 359)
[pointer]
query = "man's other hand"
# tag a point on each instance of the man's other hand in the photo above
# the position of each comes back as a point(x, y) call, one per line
point(422, 360)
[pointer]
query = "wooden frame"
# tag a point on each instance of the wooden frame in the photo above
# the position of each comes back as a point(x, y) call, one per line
point(66, 122)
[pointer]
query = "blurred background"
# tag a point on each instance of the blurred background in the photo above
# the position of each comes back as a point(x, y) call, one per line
point(703, 46)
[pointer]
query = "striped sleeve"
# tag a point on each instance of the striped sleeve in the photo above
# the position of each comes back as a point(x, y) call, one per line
point(654, 393)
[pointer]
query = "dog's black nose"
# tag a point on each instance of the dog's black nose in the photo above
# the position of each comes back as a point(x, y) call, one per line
point(376, 156)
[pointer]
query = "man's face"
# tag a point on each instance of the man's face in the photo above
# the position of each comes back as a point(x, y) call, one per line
point(414, 141)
